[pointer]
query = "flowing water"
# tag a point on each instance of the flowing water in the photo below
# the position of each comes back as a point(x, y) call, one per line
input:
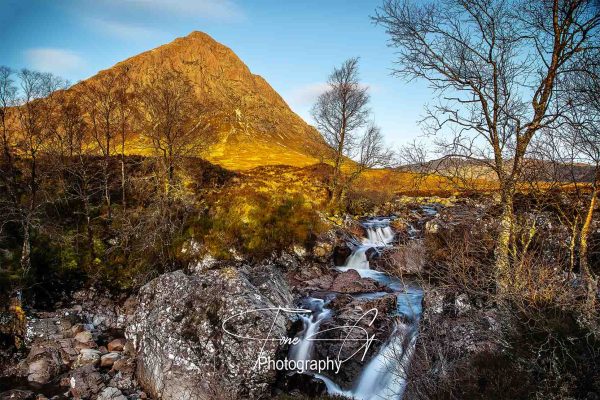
point(303, 350)
point(383, 377)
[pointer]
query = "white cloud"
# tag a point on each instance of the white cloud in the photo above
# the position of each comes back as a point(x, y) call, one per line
point(305, 95)
point(58, 61)
point(121, 30)
point(223, 10)
point(302, 96)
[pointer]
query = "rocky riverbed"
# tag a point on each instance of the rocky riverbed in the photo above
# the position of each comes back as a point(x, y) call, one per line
point(167, 341)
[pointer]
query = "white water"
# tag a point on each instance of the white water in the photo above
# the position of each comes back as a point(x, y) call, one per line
point(383, 378)
point(311, 323)
point(379, 234)
point(358, 259)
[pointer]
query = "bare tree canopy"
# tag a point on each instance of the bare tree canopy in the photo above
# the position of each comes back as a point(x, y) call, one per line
point(173, 118)
point(495, 66)
point(343, 118)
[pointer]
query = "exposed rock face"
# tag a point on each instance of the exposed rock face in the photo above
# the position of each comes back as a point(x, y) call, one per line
point(182, 350)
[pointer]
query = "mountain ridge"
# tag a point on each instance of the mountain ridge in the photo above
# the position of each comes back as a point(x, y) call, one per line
point(255, 125)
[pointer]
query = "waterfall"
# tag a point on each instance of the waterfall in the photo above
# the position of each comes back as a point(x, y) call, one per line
point(384, 376)
point(311, 323)
point(358, 258)
point(379, 234)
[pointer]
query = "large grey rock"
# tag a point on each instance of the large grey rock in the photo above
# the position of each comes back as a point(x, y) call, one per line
point(44, 362)
point(182, 349)
point(111, 393)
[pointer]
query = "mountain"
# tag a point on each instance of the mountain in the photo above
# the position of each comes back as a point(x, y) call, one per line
point(255, 125)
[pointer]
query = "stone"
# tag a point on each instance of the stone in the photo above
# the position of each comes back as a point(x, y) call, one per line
point(129, 348)
point(85, 382)
point(111, 393)
point(43, 362)
point(75, 329)
point(88, 357)
point(84, 337)
point(125, 365)
point(107, 360)
point(177, 331)
point(351, 282)
point(116, 345)
point(16, 394)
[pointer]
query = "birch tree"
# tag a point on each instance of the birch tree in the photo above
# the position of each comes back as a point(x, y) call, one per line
point(494, 65)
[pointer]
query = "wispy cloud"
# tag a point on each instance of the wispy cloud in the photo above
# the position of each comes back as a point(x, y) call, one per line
point(121, 30)
point(223, 10)
point(58, 61)
point(306, 95)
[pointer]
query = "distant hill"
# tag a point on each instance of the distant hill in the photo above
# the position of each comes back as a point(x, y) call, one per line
point(533, 170)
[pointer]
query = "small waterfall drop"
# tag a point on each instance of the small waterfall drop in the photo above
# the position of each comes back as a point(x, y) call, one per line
point(311, 323)
point(358, 258)
point(384, 376)
point(379, 234)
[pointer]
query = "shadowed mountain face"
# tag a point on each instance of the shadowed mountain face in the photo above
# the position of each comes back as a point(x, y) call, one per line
point(254, 124)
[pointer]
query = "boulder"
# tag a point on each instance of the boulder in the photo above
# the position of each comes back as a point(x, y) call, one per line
point(85, 382)
point(182, 350)
point(351, 282)
point(84, 337)
point(43, 363)
point(88, 357)
point(111, 393)
point(123, 378)
point(116, 345)
point(340, 254)
point(107, 360)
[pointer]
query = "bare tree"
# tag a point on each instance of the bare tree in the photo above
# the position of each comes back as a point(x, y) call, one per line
point(494, 64)
point(8, 99)
point(173, 119)
point(341, 113)
point(36, 127)
point(125, 111)
point(575, 144)
point(76, 163)
point(102, 104)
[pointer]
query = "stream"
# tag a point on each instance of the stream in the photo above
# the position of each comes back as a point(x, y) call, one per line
point(383, 376)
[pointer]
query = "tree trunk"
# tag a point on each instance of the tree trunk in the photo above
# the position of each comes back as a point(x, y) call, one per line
point(123, 199)
point(502, 250)
point(572, 246)
point(106, 178)
point(26, 250)
point(586, 274)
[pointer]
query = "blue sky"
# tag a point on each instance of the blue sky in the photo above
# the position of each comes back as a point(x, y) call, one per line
point(293, 44)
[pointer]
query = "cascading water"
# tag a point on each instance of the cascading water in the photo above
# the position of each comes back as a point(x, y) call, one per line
point(379, 234)
point(303, 350)
point(383, 377)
